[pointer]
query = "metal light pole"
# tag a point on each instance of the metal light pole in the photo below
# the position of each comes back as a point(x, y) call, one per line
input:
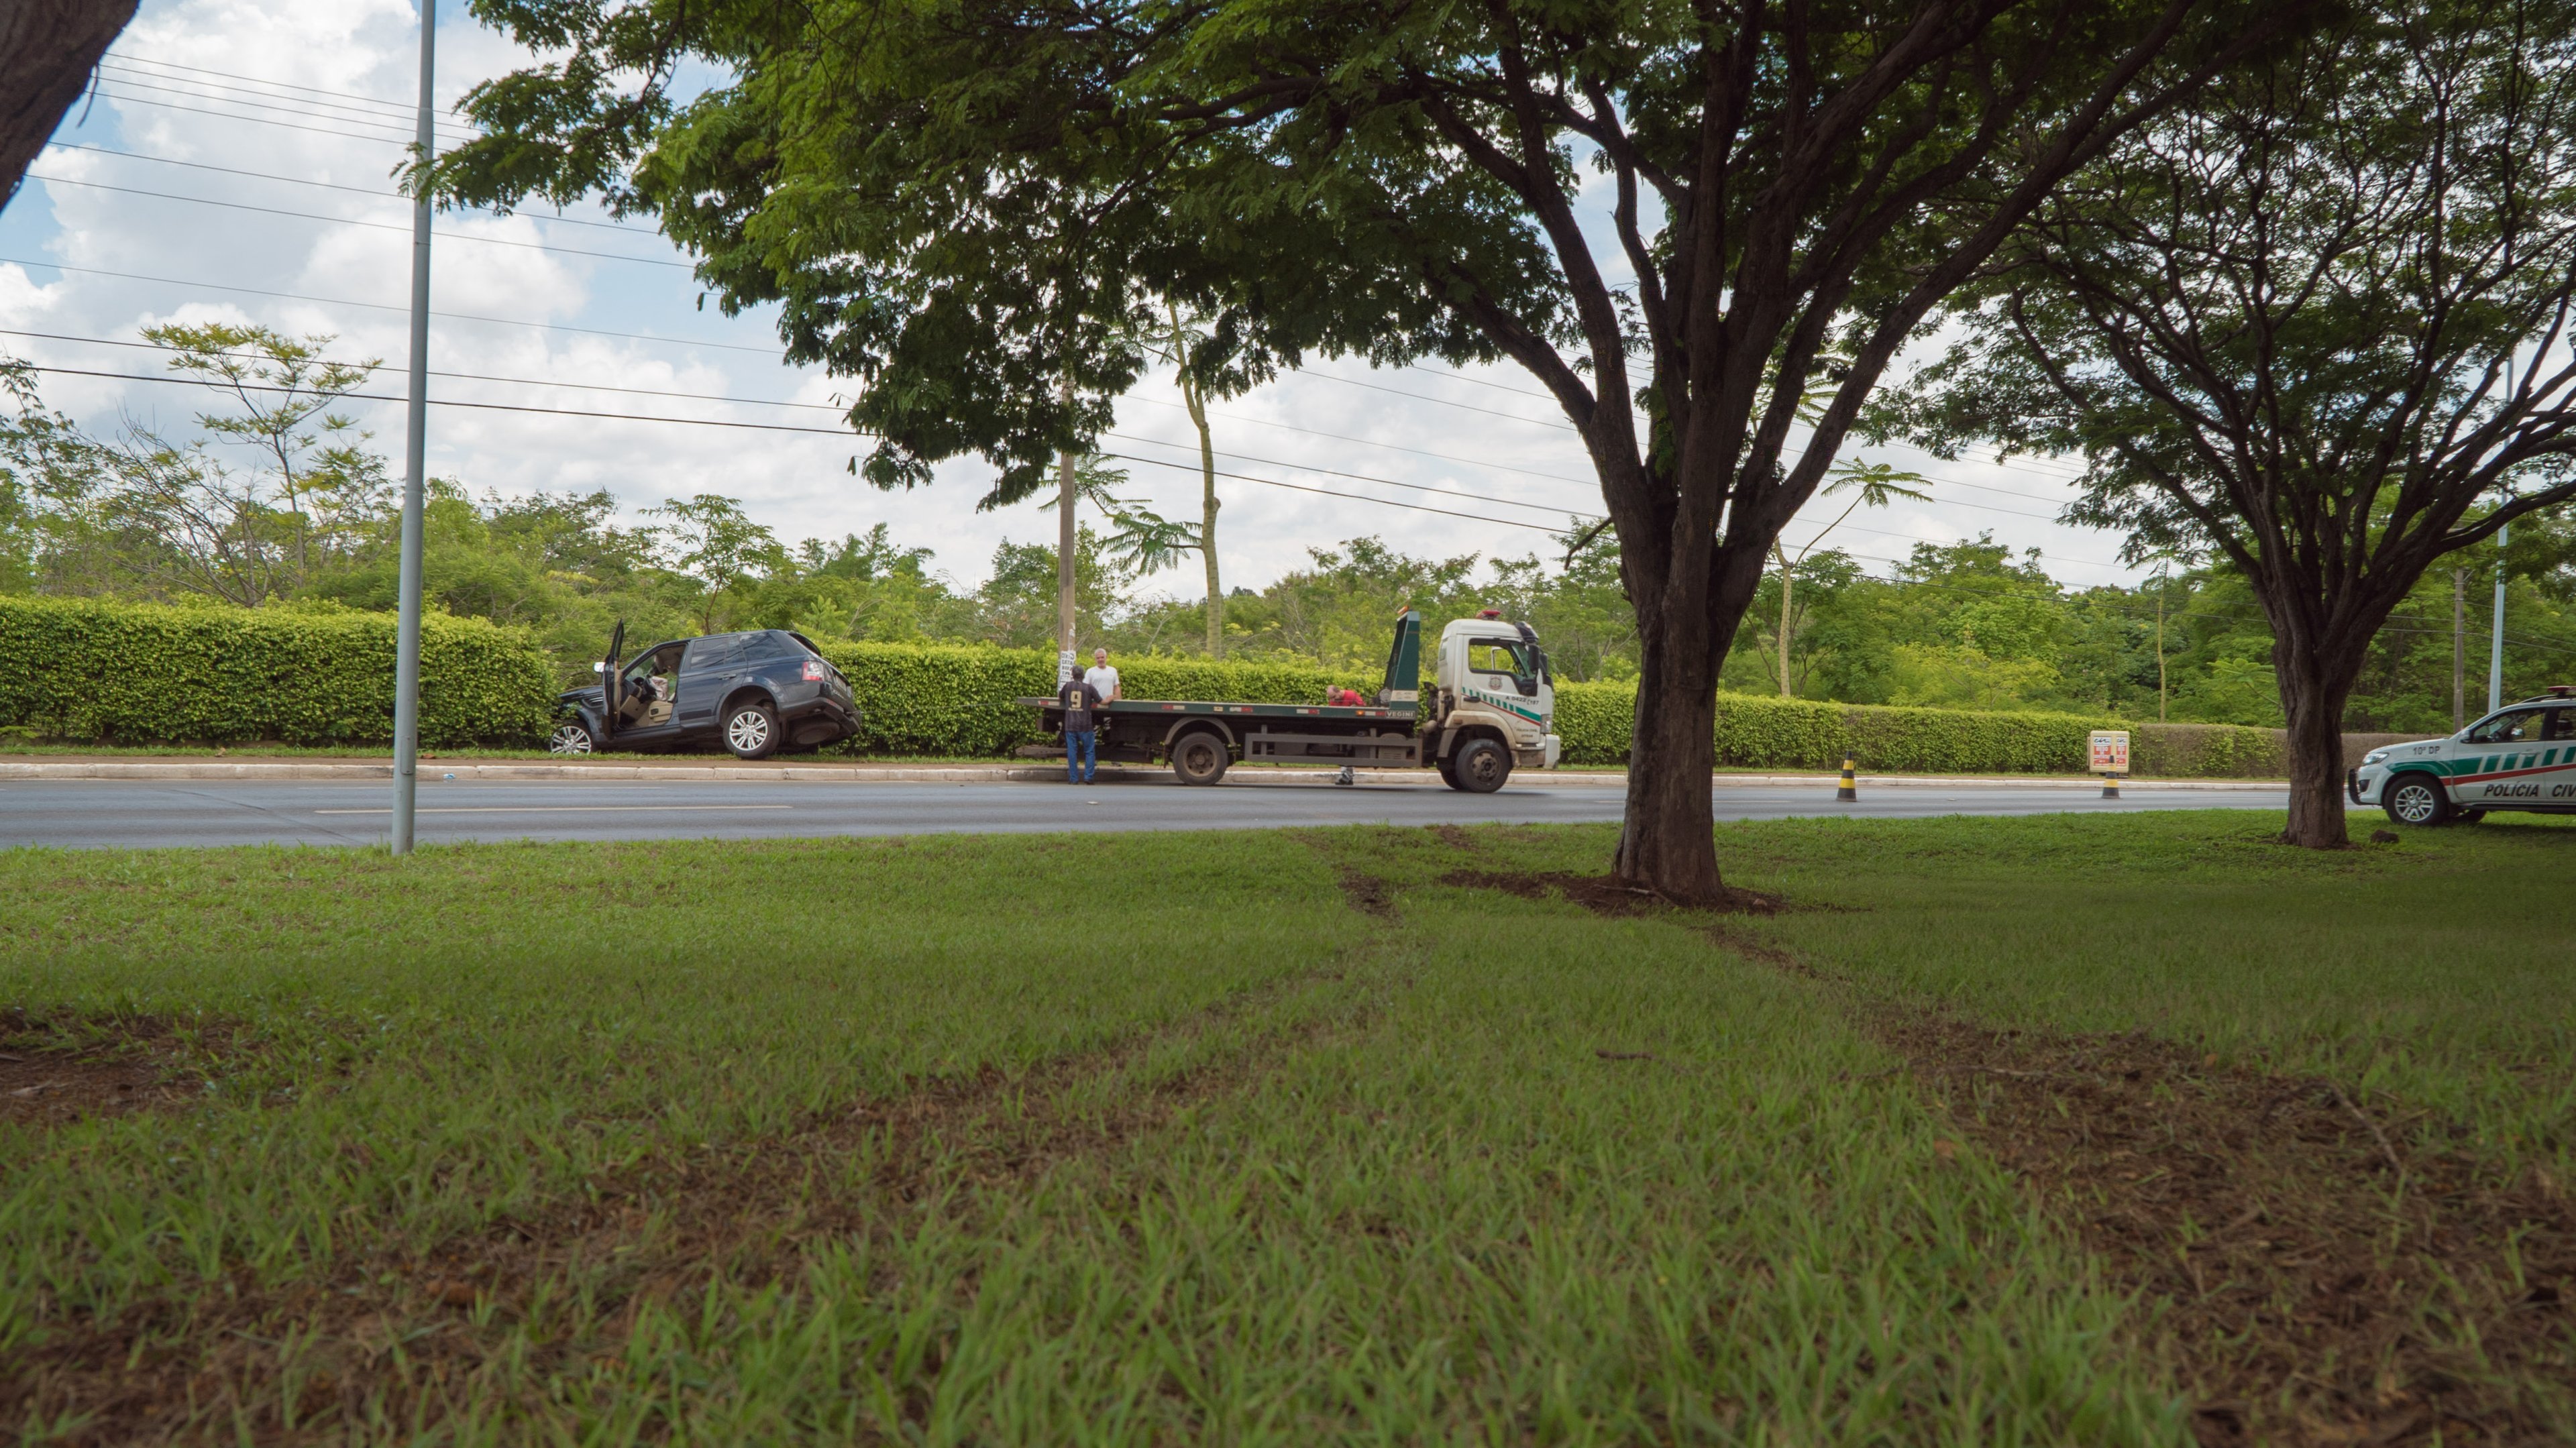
point(1066, 664)
point(415, 449)
point(2495, 651)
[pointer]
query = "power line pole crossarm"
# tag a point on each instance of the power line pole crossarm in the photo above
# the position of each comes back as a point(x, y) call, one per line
point(415, 455)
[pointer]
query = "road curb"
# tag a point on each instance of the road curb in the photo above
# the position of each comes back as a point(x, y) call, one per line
point(462, 771)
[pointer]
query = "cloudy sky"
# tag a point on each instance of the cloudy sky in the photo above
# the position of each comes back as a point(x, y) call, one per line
point(292, 114)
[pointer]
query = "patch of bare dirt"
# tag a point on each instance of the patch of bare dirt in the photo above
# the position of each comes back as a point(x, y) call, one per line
point(1600, 894)
point(1454, 837)
point(2323, 1283)
point(391, 1333)
point(55, 1073)
point(1368, 894)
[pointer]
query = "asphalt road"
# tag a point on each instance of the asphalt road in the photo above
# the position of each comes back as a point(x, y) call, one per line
point(86, 812)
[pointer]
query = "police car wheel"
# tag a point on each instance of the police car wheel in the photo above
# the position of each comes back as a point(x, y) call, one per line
point(2414, 799)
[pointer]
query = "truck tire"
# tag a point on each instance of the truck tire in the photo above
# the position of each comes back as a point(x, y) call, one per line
point(2416, 798)
point(1199, 758)
point(1480, 766)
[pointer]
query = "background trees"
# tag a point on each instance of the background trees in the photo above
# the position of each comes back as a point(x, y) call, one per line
point(2315, 322)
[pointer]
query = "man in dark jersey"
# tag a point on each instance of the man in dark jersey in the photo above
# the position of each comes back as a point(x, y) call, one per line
point(1081, 728)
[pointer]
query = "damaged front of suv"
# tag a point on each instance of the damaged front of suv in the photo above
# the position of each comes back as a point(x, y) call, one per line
point(759, 693)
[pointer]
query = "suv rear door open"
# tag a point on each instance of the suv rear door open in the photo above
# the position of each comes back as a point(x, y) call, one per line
point(609, 679)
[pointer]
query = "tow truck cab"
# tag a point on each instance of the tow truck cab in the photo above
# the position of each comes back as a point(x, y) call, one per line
point(1490, 680)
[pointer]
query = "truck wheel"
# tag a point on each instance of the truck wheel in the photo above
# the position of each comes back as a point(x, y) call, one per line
point(2414, 798)
point(1199, 759)
point(751, 730)
point(1480, 766)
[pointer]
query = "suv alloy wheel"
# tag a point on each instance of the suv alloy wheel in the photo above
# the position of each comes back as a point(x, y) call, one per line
point(751, 730)
point(570, 737)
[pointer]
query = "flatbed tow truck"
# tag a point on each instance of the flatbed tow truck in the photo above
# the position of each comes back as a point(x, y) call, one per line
point(1491, 709)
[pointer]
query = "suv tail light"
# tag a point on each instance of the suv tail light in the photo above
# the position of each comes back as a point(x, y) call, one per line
point(815, 671)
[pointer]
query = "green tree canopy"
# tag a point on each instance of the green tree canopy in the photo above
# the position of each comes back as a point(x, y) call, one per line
point(969, 204)
point(2316, 323)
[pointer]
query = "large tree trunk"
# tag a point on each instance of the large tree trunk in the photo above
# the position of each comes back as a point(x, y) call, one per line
point(2315, 685)
point(1668, 843)
point(47, 49)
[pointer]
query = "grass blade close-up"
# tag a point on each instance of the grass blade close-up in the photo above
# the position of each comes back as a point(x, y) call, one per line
point(2139, 1129)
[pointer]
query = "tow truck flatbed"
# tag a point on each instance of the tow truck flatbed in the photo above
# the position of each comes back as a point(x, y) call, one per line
point(1157, 707)
point(1459, 727)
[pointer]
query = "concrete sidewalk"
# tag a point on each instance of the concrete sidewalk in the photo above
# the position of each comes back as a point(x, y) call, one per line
point(738, 772)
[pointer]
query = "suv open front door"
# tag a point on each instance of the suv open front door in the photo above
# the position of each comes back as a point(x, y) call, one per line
point(609, 680)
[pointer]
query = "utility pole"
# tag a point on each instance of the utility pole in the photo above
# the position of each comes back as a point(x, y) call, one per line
point(1064, 545)
point(415, 452)
point(2161, 580)
point(2495, 651)
point(2459, 649)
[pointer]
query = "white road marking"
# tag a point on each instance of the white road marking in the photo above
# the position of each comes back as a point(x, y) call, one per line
point(550, 808)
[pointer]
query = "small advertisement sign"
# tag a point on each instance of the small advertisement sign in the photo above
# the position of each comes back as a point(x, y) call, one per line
point(2110, 751)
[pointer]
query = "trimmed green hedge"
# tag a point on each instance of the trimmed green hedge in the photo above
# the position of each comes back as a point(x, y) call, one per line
point(140, 673)
point(144, 673)
point(1597, 720)
point(933, 699)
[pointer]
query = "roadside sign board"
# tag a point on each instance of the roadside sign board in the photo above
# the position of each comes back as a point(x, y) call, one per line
point(2110, 751)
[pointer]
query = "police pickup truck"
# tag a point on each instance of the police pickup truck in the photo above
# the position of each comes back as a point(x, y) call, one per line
point(2521, 757)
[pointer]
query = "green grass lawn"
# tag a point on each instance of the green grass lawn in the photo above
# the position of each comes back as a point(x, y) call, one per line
point(1233, 1137)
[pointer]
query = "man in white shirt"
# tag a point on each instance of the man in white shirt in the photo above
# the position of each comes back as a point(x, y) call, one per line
point(1102, 677)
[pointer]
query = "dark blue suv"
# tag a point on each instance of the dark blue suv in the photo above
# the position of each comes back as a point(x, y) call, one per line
point(755, 693)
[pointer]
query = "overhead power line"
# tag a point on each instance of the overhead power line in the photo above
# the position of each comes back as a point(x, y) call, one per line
point(312, 109)
point(1334, 473)
point(402, 108)
point(117, 92)
point(770, 352)
point(379, 191)
point(762, 427)
point(840, 432)
point(352, 221)
point(467, 376)
point(1355, 497)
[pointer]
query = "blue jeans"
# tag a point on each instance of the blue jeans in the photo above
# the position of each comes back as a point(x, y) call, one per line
point(1079, 744)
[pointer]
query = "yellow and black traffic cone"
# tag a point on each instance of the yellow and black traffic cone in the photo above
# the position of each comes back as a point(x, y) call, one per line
point(1850, 791)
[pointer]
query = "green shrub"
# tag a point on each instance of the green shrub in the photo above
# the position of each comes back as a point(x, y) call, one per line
point(1596, 722)
point(933, 699)
point(149, 674)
